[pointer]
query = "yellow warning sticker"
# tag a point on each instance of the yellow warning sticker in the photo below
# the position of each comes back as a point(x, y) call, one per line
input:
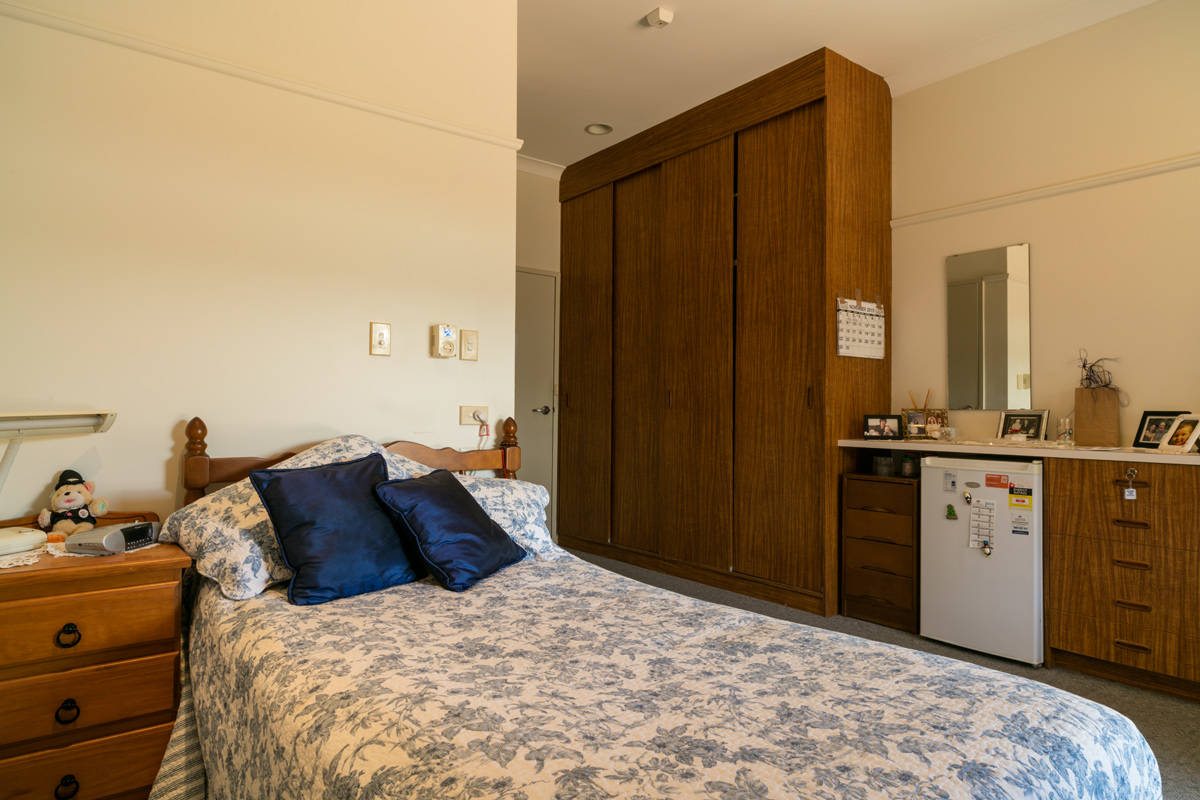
point(1020, 497)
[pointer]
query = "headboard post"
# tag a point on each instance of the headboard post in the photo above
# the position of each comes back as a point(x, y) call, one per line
point(512, 452)
point(195, 461)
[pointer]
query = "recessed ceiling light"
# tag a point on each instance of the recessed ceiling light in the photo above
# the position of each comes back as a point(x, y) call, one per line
point(598, 128)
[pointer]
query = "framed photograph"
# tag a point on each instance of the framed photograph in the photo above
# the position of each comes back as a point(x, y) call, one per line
point(381, 339)
point(1030, 422)
point(883, 426)
point(1154, 427)
point(918, 421)
point(1182, 435)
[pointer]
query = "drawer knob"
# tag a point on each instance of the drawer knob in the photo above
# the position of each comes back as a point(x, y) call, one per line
point(68, 635)
point(67, 788)
point(67, 712)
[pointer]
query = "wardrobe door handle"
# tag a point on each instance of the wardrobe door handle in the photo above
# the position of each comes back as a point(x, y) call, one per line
point(1137, 648)
point(1122, 484)
point(878, 509)
point(1132, 523)
point(872, 599)
point(1120, 562)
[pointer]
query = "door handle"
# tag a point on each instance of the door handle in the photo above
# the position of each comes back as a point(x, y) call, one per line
point(542, 410)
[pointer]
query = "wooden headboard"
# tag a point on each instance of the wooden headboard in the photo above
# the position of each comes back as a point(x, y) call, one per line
point(200, 470)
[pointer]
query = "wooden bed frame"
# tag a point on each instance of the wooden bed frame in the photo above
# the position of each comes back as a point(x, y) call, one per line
point(201, 471)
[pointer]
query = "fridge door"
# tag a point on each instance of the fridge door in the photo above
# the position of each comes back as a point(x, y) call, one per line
point(982, 592)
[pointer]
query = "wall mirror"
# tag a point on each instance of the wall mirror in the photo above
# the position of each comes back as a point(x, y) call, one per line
point(987, 328)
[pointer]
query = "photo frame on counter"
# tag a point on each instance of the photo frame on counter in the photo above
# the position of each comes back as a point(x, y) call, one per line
point(918, 422)
point(1154, 426)
point(1028, 421)
point(883, 426)
point(1182, 435)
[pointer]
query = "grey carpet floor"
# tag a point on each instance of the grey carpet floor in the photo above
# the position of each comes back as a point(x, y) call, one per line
point(1170, 724)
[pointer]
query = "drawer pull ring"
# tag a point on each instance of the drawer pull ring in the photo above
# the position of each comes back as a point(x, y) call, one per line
point(1137, 648)
point(1132, 523)
point(68, 636)
point(1132, 606)
point(1120, 562)
point(67, 712)
point(67, 788)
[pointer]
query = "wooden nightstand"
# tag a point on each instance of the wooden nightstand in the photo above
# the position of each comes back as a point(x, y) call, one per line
point(89, 671)
point(879, 550)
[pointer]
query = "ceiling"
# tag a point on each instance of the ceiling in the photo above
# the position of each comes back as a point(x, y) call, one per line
point(583, 61)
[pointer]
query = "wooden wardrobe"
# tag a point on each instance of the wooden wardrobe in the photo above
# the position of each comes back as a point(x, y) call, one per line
point(701, 394)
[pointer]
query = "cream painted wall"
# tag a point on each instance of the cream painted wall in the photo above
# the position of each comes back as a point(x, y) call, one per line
point(178, 242)
point(538, 231)
point(1113, 269)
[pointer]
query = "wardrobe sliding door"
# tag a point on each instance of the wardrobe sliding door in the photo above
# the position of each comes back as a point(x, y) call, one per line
point(779, 350)
point(639, 393)
point(585, 367)
point(696, 309)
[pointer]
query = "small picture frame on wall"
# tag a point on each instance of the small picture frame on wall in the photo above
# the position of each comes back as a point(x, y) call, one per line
point(883, 426)
point(1154, 427)
point(924, 423)
point(1182, 435)
point(1030, 423)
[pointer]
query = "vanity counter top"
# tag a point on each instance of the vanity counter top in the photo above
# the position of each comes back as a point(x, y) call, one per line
point(1025, 450)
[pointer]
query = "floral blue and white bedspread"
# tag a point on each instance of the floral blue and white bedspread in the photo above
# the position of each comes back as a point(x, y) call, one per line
point(561, 679)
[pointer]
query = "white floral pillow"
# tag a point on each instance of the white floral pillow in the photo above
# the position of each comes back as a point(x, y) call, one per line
point(519, 507)
point(229, 535)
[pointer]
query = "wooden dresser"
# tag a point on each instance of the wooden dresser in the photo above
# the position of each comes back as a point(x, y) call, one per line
point(89, 668)
point(1123, 570)
point(879, 550)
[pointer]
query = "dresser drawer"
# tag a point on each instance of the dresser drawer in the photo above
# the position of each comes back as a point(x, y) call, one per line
point(1155, 650)
point(885, 497)
point(1088, 499)
point(70, 626)
point(889, 559)
point(96, 769)
point(1145, 586)
point(876, 587)
point(877, 527)
point(78, 699)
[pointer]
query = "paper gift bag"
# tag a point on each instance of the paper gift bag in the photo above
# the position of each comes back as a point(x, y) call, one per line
point(1097, 418)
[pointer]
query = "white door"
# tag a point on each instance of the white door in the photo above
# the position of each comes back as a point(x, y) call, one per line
point(536, 379)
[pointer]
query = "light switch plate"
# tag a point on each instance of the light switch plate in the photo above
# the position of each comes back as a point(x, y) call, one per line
point(468, 346)
point(466, 414)
point(381, 339)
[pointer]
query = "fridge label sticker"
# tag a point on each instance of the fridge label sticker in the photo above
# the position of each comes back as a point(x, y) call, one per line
point(1020, 523)
point(949, 481)
point(1020, 497)
point(996, 481)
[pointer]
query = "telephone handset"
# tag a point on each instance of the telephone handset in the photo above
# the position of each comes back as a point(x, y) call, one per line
point(443, 340)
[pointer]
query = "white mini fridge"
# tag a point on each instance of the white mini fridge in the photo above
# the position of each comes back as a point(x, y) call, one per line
point(981, 555)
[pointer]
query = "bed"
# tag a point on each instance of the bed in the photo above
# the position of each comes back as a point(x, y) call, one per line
point(556, 678)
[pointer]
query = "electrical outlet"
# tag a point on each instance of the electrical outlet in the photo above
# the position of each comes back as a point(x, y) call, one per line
point(466, 414)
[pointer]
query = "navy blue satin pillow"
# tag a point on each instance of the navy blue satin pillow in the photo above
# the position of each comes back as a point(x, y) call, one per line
point(457, 540)
point(334, 535)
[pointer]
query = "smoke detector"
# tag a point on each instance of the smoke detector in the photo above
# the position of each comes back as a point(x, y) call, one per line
point(659, 17)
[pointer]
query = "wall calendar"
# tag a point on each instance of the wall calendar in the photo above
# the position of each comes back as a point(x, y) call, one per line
point(860, 328)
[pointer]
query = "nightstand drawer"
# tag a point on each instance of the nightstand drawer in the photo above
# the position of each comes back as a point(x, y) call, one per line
point(884, 497)
point(95, 769)
point(876, 587)
point(69, 626)
point(78, 699)
point(889, 559)
point(877, 527)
